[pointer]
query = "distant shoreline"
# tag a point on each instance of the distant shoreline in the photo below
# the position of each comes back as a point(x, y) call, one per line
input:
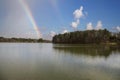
point(23, 40)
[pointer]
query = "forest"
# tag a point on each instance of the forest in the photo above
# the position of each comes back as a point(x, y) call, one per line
point(87, 37)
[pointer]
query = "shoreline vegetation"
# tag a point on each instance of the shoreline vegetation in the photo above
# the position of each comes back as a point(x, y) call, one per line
point(94, 37)
point(103, 37)
point(23, 40)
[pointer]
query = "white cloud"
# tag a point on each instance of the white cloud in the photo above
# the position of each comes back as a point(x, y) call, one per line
point(65, 31)
point(75, 24)
point(52, 33)
point(99, 25)
point(118, 28)
point(89, 26)
point(78, 13)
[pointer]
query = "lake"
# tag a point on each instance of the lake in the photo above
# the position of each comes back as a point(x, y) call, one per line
point(47, 61)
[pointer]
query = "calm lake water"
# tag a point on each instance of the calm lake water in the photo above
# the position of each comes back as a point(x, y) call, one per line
point(46, 61)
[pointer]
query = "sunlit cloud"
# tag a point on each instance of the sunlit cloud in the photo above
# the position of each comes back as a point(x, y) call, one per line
point(99, 25)
point(118, 28)
point(89, 26)
point(78, 14)
point(65, 31)
point(75, 24)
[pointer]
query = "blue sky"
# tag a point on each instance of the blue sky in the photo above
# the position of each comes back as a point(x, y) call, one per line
point(57, 16)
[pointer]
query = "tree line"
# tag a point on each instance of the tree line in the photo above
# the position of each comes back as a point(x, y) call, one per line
point(2, 39)
point(87, 37)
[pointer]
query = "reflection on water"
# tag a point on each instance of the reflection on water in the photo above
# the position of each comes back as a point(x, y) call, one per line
point(33, 61)
point(92, 54)
point(93, 50)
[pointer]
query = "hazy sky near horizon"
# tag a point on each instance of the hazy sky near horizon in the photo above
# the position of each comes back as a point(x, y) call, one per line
point(57, 16)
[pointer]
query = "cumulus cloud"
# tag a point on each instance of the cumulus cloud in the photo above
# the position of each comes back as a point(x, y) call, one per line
point(118, 28)
point(65, 31)
point(52, 33)
point(75, 24)
point(89, 26)
point(99, 25)
point(78, 13)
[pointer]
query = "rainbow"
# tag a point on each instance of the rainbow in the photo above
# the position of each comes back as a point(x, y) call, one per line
point(30, 16)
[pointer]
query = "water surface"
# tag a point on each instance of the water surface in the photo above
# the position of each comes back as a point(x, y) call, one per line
point(45, 61)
